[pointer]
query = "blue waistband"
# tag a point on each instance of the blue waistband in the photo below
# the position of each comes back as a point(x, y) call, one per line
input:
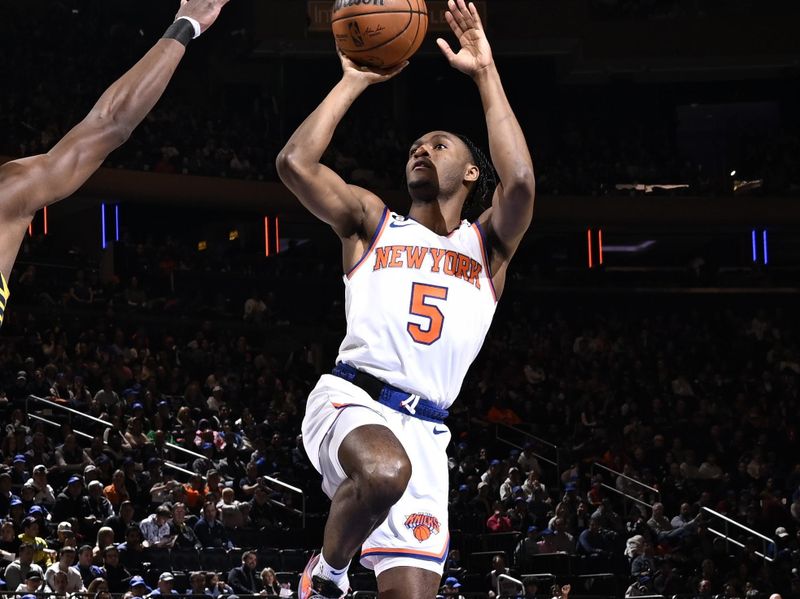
point(390, 396)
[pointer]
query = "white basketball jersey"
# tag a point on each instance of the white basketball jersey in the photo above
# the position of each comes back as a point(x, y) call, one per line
point(418, 307)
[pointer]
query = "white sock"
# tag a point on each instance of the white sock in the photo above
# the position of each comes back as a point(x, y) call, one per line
point(339, 577)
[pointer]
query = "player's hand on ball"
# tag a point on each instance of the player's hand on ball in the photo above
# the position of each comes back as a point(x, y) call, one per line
point(368, 75)
point(475, 53)
point(204, 12)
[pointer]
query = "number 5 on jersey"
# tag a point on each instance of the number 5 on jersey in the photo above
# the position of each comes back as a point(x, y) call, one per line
point(419, 307)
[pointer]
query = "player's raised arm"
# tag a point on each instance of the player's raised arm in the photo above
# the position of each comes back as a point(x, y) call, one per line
point(28, 184)
point(344, 207)
point(512, 204)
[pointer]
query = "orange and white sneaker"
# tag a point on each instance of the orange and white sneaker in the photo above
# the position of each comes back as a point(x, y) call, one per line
point(316, 587)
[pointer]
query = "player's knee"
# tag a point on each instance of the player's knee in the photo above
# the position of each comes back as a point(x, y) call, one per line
point(385, 481)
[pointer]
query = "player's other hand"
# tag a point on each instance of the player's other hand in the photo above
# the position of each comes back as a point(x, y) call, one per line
point(475, 53)
point(204, 12)
point(367, 75)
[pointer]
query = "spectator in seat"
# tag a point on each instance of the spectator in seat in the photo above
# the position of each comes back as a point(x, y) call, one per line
point(210, 532)
point(156, 529)
point(71, 458)
point(561, 541)
point(165, 584)
point(684, 517)
point(44, 492)
point(244, 579)
point(132, 552)
point(595, 541)
point(6, 496)
point(17, 571)
point(451, 589)
point(260, 514)
point(105, 537)
point(506, 586)
point(217, 587)
point(197, 585)
point(97, 587)
point(513, 480)
point(9, 543)
point(139, 587)
point(64, 565)
point(122, 521)
point(100, 507)
point(499, 521)
point(30, 534)
point(270, 583)
point(65, 537)
point(73, 505)
point(117, 491)
point(114, 572)
point(205, 463)
point(526, 549)
point(183, 534)
point(195, 490)
point(33, 583)
point(86, 567)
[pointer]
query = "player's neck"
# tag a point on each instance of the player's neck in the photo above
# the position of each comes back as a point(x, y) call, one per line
point(442, 219)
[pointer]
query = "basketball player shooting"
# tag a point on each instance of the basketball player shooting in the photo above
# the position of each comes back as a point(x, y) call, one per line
point(29, 184)
point(420, 292)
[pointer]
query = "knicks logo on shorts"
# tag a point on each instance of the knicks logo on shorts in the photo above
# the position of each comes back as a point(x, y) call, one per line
point(423, 525)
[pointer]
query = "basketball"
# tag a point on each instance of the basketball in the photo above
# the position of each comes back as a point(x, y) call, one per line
point(379, 33)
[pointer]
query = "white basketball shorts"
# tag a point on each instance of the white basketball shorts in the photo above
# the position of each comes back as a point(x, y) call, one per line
point(415, 533)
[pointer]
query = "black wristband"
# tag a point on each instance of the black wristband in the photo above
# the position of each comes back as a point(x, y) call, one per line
point(181, 30)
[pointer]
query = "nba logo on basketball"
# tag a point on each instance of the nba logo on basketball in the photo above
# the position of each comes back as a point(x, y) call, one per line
point(423, 526)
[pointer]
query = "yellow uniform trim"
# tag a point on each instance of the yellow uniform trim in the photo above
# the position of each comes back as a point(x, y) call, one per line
point(4, 293)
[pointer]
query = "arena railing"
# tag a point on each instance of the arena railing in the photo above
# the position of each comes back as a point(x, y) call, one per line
point(504, 577)
point(52, 404)
point(106, 423)
point(87, 436)
point(516, 437)
point(626, 496)
point(766, 542)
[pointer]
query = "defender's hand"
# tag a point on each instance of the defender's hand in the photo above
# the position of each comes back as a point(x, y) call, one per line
point(475, 54)
point(367, 75)
point(204, 12)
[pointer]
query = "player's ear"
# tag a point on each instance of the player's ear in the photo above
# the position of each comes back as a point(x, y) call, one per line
point(472, 173)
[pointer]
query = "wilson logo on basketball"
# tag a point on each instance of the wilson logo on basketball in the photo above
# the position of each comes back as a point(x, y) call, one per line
point(423, 525)
point(340, 4)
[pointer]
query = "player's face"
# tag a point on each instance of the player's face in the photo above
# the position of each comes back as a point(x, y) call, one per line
point(438, 164)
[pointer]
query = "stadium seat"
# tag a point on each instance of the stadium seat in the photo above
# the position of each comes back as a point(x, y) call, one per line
point(157, 557)
point(184, 560)
point(481, 561)
point(363, 581)
point(214, 559)
point(557, 564)
point(181, 582)
point(500, 541)
point(269, 558)
point(293, 578)
point(293, 559)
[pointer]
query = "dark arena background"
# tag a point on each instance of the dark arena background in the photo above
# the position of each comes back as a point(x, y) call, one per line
point(630, 427)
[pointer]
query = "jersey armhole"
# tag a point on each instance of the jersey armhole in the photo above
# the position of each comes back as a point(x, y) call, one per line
point(375, 237)
point(486, 264)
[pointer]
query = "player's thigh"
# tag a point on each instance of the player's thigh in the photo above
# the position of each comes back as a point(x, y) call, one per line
point(408, 583)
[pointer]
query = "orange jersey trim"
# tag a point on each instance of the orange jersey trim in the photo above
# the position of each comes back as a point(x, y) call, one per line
point(378, 232)
point(486, 264)
point(408, 552)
